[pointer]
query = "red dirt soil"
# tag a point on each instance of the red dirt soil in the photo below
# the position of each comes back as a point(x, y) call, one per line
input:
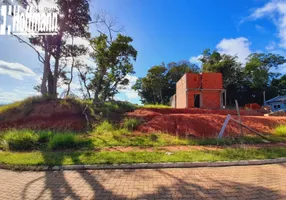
point(45, 115)
point(203, 122)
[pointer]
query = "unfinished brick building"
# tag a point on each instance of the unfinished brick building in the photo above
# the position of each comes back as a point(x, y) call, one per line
point(203, 90)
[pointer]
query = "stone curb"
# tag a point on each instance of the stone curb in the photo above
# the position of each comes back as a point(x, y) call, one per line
point(144, 165)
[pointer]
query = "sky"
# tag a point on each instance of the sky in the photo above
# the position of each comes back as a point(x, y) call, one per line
point(162, 31)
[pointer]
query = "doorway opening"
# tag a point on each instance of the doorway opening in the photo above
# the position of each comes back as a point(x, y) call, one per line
point(197, 101)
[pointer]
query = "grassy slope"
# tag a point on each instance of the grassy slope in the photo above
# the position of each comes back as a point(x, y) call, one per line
point(76, 157)
point(108, 136)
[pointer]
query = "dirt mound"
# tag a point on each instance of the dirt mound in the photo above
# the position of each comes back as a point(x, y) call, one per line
point(202, 122)
point(46, 114)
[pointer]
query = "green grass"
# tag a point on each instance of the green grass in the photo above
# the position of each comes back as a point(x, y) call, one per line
point(11, 106)
point(131, 123)
point(44, 136)
point(104, 127)
point(87, 157)
point(15, 141)
point(67, 141)
point(24, 106)
point(155, 106)
point(117, 106)
point(280, 130)
point(108, 135)
point(123, 137)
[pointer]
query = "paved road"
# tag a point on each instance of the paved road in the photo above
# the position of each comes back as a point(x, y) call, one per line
point(252, 182)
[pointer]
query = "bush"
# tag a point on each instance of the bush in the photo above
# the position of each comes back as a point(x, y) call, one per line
point(118, 106)
point(62, 141)
point(20, 140)
point(105, 126)
point(154, 137)
point(280, 130)
point(131, 123)
point(44, 136)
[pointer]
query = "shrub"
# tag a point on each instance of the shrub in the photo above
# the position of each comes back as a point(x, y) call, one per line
point(20, 140)
point(44, 136)
point(280, 130)
point(131, 123)
point(154, 137)
point(104, 126)
point(118, 106)
point(62, 141)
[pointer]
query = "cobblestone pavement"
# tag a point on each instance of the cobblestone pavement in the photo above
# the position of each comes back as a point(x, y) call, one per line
point(248, 182)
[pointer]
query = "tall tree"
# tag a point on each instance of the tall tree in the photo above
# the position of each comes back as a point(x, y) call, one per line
point(114, 62)
point(160, 82)
point(227, 65)
point(259, 69)
point(72, 21)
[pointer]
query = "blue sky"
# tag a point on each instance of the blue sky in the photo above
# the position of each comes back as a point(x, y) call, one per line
point(164, 31)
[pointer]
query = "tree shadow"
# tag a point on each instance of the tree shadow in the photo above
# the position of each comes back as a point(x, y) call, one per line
point(131, 184)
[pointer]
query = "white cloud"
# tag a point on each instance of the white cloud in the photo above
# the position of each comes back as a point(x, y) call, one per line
point(271, 46)
point(266, 9)
point(236, 47)
point(15, 70)
point(80, 41)
point(276, 10)
point(195, 60)
point(84, 59)
point(128, 91)
point(18, 94)
point(260, 28)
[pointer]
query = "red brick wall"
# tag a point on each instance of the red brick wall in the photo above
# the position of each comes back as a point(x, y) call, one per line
point(193, 80)
point(211, 99)
point(212, 80)
point(191, 99)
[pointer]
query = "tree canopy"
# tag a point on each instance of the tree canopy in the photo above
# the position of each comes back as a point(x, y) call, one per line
point(160, 82)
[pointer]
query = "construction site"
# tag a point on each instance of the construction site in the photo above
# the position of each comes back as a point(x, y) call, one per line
point(199, 110)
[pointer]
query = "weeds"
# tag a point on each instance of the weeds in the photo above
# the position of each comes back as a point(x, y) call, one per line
point(62, 141)
point(44, 136)
point(104, 126)
point(14, 141)
point(280, 130)
point(24, 106)
point(119, 106)
point(131, 123)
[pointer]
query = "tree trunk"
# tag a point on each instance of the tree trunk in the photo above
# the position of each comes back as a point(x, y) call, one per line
point(46, 65)
point(69, 83)
point(56, 70)
point(45, 76)
point(50, 81)
point(57, 59)
point(98, 89)
point(161, 96)
point(82, 77)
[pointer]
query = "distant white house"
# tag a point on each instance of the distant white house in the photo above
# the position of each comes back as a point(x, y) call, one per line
point(277, 103)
